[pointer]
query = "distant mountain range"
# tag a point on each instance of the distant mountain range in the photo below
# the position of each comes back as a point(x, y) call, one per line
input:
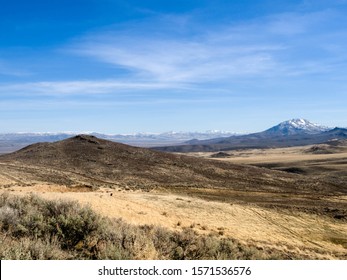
point(166, 136)
point(10, 142)
point(295, 132)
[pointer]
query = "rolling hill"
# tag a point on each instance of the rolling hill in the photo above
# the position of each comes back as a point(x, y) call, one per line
point(85, 159)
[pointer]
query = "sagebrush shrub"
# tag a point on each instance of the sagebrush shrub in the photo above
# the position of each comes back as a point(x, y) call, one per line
point(34, 228)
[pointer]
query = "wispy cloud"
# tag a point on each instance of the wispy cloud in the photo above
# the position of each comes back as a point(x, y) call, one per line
point(167, 52)
point(78, 87)
point(263, 47)
point(173, 60)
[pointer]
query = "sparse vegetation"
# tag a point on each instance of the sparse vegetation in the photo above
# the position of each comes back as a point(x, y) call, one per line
point(200, 203)
point(34, 228)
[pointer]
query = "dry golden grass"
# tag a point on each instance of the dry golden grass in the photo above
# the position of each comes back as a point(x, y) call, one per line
point(283, 155)
point(317, 236)
point(322, 162)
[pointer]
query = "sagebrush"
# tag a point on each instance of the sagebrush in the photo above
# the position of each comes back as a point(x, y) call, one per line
point(34, 228)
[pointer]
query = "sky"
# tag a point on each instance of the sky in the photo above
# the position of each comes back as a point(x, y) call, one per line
point(127, 66)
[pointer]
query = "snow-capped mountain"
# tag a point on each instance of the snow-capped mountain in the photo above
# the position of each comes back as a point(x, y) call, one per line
point(296, 126)
point(295, 132)
point(184, 136)
point(172, 135)
point(13, 141)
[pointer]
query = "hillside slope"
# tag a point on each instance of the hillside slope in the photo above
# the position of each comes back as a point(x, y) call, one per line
point(104, 162)
point(86, 163)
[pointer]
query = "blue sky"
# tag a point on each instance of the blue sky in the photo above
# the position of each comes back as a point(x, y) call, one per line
point(123, 66)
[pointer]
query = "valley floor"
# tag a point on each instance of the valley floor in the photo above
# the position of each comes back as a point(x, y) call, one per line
point(310, 160)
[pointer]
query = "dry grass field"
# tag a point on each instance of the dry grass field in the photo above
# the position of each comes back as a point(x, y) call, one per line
point(309, 235)
point(303, 215)
point(312, 159)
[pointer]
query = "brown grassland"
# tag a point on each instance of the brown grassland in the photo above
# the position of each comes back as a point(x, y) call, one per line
point(256, 217)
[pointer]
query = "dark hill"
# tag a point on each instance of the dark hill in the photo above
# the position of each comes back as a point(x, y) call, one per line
point(86, 163)
point(220, 155)
point(89, 160)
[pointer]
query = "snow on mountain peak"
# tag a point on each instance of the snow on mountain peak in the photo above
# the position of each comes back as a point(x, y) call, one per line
point(300, 123)
point(295, 126)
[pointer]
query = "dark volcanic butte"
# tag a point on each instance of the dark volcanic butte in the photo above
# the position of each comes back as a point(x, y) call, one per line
point(86, 159)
